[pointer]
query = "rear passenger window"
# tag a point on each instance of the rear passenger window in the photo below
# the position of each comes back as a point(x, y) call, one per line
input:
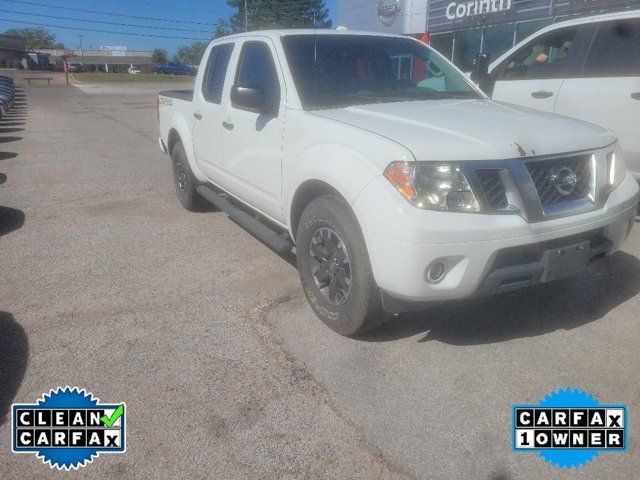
point(615, 50)
point(257, 69)
point(216, 72)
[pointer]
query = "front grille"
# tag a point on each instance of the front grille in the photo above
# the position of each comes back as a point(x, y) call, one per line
point(547, 176)
point(492, 187)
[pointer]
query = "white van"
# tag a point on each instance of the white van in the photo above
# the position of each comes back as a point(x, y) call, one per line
point(587, 68)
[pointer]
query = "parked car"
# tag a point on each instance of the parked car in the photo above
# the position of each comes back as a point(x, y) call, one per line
point(395, 189)
point(133, 70)
point(7, 95)
point(173, 68)
point(587, 68)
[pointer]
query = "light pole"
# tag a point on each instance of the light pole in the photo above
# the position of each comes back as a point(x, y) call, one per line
point(246, 17)
point(81, 50)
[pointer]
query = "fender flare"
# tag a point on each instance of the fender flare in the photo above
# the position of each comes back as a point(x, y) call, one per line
point(180, 128)
point(323, 169)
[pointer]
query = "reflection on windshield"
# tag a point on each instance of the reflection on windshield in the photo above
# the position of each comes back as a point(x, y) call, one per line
point(340, 70)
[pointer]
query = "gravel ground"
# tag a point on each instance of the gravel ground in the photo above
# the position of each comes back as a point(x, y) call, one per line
point(109, 285)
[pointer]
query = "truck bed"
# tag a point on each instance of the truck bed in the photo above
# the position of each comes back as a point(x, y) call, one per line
point(186, 95)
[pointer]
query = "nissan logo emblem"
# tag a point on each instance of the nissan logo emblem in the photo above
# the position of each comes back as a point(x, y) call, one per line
point(564, 180)
point(388, 10)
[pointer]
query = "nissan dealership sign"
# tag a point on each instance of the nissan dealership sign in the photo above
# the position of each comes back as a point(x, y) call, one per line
point(388, 10)
point(448, 15)
point(436, 16)
point(389, 16)
point(478, 7)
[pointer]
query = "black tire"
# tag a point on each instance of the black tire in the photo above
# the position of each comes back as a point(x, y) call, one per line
point(184, 180)
point(329, 226)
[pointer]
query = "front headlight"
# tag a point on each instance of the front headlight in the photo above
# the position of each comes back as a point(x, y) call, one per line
point(434, 186)
point(616, 169)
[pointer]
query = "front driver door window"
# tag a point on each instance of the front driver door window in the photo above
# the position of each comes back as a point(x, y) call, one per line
point(533, 75)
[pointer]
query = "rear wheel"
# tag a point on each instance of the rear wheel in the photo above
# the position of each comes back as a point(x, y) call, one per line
point(184, 180)
point(334, 267)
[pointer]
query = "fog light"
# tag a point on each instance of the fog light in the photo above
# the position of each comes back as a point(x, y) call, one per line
point(436, 271)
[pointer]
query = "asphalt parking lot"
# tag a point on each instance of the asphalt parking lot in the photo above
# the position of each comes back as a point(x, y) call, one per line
point(108, 284)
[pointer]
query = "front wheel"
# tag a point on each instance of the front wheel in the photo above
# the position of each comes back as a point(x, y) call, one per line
point(334, 267)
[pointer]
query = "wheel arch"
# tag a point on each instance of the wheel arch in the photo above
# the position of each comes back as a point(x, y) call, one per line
point(179, 132)
point(172, 139)
point(303, 196)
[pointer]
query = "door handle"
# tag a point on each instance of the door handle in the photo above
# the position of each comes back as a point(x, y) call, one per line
point(635, 95)
point(198, 116)
point(541, 94)
point(227, 125)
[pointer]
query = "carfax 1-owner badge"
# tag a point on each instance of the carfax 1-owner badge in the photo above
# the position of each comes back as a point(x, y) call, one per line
point(67, 428)
point(569, 428)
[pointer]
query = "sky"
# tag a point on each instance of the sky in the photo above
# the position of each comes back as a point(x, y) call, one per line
point(191, 20)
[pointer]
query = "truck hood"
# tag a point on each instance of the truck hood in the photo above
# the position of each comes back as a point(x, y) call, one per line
point(472, 129)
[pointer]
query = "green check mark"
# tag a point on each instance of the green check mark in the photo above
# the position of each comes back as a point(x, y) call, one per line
point(109, 421)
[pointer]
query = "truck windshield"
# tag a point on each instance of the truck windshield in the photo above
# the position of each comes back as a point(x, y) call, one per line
point(333, 71)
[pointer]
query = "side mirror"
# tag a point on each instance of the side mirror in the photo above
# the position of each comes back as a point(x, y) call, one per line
point(480, 69)
point(249, 98)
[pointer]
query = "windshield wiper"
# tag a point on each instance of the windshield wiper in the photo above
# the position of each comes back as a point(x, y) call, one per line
point(449, 95)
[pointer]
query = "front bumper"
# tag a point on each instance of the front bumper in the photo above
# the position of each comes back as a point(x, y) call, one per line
point(403, 241)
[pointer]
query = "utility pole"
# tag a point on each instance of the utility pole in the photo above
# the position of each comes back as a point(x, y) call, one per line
point(66, 68)
point(81, 50)
point(246, 17)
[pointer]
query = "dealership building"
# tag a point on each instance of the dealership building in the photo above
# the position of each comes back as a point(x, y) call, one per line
point(462, 28)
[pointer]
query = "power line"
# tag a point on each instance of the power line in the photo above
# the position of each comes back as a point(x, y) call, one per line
point(104, 31)
point(165, 7)
point(155, 19)
point(281, 7)
point(104, 22)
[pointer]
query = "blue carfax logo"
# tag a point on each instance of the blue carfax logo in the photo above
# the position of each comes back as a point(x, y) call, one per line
point(569, 428)
point(67, 428)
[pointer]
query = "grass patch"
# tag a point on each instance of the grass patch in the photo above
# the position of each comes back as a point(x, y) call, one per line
point(99, 77)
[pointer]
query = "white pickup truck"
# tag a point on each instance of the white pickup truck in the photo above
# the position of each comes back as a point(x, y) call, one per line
point(397, 180)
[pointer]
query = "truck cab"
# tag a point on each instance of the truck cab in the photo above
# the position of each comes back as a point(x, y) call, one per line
point(396, 187)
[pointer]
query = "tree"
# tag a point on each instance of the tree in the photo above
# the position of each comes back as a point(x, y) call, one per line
point(191, 54)
point(35, 37)
point(223, 28)
point(160, 56)
point(264, 14)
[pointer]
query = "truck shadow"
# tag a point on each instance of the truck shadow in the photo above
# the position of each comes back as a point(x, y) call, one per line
point(14, 354)
point(10, 219)
point(562, 305)
point(10, 130)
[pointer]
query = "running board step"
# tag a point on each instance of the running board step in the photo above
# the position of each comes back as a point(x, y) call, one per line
point(246, 221)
